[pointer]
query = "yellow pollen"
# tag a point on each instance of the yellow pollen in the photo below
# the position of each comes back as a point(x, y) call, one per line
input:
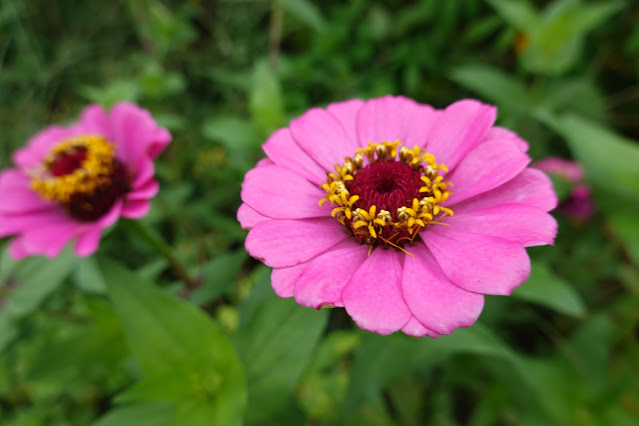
point(93, 172)
point(389, 228)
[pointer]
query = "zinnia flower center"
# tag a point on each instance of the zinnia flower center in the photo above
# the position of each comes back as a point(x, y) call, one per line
point(83, 175)
point(389, 200)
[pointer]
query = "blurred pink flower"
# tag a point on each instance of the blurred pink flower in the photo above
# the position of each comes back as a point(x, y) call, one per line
point(578, 206)
point(402, 214)
point(70, 183)
point(570, 171)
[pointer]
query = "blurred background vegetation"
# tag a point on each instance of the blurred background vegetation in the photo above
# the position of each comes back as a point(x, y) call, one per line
point(222, 75)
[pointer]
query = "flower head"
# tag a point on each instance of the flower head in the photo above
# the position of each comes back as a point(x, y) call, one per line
point(402, 214)
point(72, 182)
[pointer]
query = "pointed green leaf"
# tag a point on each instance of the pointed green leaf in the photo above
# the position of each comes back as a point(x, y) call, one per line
point(276, 342)
point(546, 288)
point(172, 339)
point(494, 85)
point(610, 159)
point(305, 11)
point(147, 414)
point(37, 278)
point(381, 360)
point(518, 13)
point(265, 99)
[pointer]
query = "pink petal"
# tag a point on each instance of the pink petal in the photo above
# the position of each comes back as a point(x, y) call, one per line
point(570, 171)
point(491, 164)
point(373, 297)
point(136, 133)
point(346, 113)
point(136, 209)
point(436, 302)
point(39, 146)
point(531, 187)
point(143, 172)
point(326, 275)
point(323, 138)
point(458, 129)
point(282, 149)
point(392, 118)
point(283, 279)
point(16, 249)
point(265, 162)
point(17, 223)
point(144, 192)
point(94, 121)
point(248, 217)
point(88, 242)
point(497, 132)
point(478, 263)
point(416, 329)
point(281, 194)
point(17, 195)
point(281, 243)
point(519, 223)
point(48, 240)
point(13, 180)
point(112, 216)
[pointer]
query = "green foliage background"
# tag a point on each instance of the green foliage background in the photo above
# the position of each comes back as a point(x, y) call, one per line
point(90, 341)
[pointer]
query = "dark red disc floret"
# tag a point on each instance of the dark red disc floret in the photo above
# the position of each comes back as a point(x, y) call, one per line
point(388, 185)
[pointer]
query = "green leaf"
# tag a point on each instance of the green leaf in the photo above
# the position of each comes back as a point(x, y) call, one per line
point(556, 42)
point(276, 341)
point(588, 16)
point(98, 346)
point(88, 276)
point(8, 331)
point(624, 223)
point(147, 414)
point(219, 275)
point(170, 337)
point(381, 360)
point(305, 11)
point(235, 133)
point(518, 13)
point(610, 160)
point(591, 361)
point(7, 264)
point(494, 85)
point(37, 278)
point(547, 289)
point(265, 99)
point(336, 345)
point(108, 95)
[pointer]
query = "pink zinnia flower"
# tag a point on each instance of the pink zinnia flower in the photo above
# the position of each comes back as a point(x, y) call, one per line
point(402, 214)
point(70, 183)
point(578, 206)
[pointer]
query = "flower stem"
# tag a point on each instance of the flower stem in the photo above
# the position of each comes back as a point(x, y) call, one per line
point(275, 34)
point(158, 244)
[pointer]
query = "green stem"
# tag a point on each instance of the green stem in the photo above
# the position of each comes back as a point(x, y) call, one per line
point(158, 244)
point(275, 33)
